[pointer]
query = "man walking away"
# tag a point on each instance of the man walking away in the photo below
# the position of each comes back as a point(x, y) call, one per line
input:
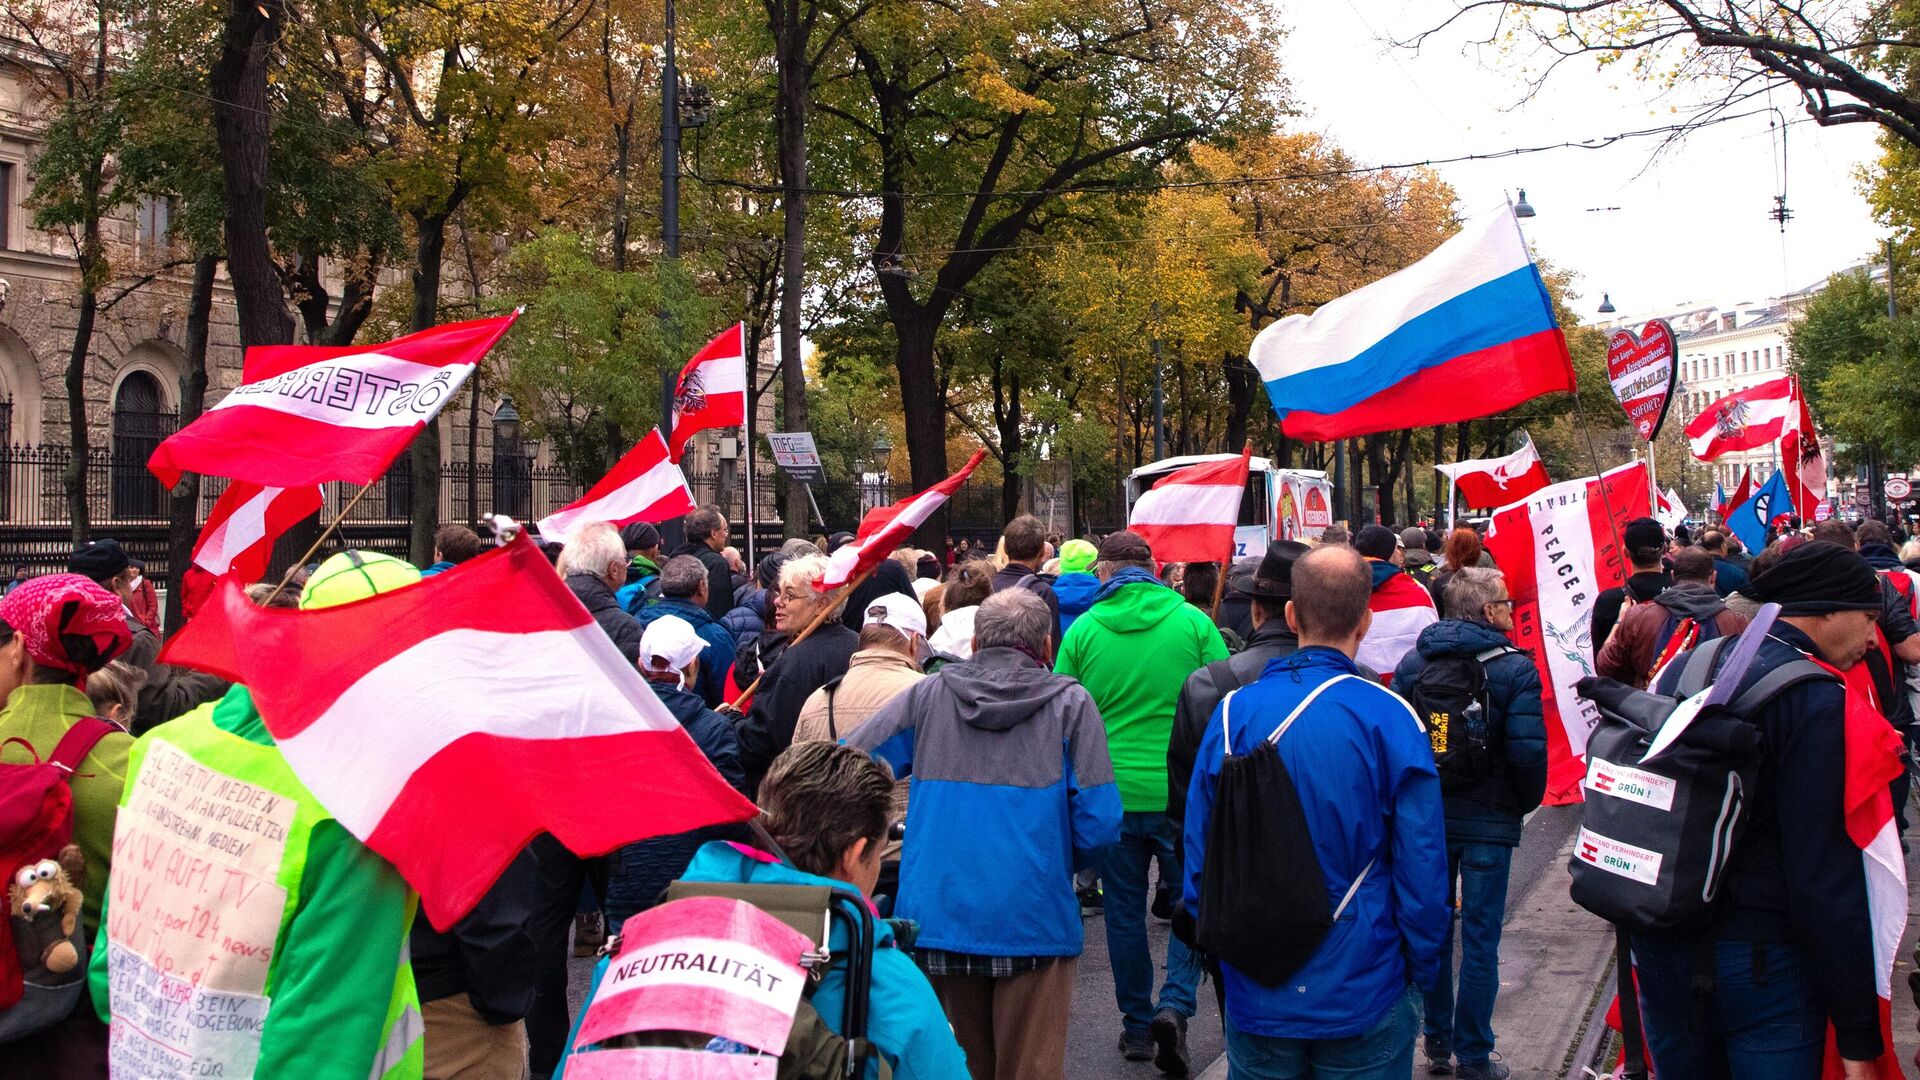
point(1728, 578)
point(706, 536)
point(1364, 772)
point(683, 593)
point(476, 981)
point(1789, 940)
point(452, 545)
point(1417, 562)
point(593, 564)
point(1074, 589)
point(801, 669)
point(1010, 772)
point(642, 542)
point(1132, 651)
point(1646, 546)
point(1679, 618)
point(1025, 542)
point(1493, 771)
point(1400, 606)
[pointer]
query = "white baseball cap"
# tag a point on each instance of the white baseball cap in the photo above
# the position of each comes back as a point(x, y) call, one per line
point(672, 639)
point(898, 610)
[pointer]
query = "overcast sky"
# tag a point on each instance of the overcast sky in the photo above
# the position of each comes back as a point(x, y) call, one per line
point(1692, 224)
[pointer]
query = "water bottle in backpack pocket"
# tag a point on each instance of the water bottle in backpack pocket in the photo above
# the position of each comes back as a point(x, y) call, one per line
point(1450, 696)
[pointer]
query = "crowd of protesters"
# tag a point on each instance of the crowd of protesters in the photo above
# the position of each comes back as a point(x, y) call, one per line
point(987, 743)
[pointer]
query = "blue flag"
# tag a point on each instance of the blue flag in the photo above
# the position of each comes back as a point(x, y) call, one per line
point(1749, 520)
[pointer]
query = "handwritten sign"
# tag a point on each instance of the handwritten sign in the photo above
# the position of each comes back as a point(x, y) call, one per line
point(1642, 369)
point(193, 913)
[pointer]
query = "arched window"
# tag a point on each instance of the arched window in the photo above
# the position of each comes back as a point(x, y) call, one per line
point(140, 421)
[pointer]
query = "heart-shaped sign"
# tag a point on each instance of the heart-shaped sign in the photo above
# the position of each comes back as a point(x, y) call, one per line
point(1642, 369)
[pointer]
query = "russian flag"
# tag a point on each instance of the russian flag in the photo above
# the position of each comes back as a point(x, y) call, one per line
point(1463, 333)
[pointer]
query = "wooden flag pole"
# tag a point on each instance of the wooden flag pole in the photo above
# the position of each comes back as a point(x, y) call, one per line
point(1219, 587)
point(324, 533)
point(819, 618)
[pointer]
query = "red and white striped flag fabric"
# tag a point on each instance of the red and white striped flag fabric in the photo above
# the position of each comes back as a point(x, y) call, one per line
point(1494, 482)
point(643, 486)
point(520, 717)
point(1744, 491)
point(1872, 762)
point(713, 389)
point(307, 414)
point(887, 527)
point(1189, 515)
point(1744, 420)
point(239, 534)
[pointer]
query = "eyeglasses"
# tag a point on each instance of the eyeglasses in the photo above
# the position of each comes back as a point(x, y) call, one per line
point(1494, 603)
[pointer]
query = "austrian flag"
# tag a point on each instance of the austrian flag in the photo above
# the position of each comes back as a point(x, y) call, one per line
point(887, 527)
point(1189, 515)
point(448, 723)
point(644, 486)
point(712, 391)
point(239, 534)
point(1498, 481)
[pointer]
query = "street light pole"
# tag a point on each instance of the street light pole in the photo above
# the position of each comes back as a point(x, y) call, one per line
point(672, 535)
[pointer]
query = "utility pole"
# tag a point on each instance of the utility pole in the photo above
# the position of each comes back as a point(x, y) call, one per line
point(672, 534)
point(1876, 469)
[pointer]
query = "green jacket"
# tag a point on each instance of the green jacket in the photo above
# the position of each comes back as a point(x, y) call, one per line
point(40, 715)
point(1132, 650)
point(332, 996)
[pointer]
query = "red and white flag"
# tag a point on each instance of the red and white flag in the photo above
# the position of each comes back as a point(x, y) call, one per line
point(713, 389)
point(1873, 752)
point(1559, 550)
point(1744, 420)
point(887, 527)
point(307, 414)
point(1498, 481)
point(1744, 491)
point(1189, 515)
point(239, 534)
point(1804, 461)
point(643, 486)
point(520, 718)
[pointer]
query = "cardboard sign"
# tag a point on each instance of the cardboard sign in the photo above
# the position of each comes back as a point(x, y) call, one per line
point(796, 455)
point(1642, 370)
point(704, 964)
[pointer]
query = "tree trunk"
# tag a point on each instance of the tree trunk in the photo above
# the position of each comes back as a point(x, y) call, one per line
point(430, 245)
point(75, 477)
point(183, 508)
point(473, 450)
point(790, 37)
point(242, 115)
point(1241, 384)
point(1011, 446)
point(1439, 437)
point(925, 423)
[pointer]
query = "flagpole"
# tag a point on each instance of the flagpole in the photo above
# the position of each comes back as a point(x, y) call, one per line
point(1219, 587)
point(324, 533)
point(819, 618)
point(1450, 494)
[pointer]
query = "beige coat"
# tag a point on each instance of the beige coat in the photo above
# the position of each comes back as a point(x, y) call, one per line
point(874, 677)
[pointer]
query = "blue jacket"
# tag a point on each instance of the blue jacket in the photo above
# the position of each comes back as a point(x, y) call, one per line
point(1728, 578)
point(638, 872)
point(1075, 593)
point(748, 619)
point(715, 659)
point(440, 567)
point(905, 1021)
point(1492, 811)
point(1012, 793)
point(1364, 770)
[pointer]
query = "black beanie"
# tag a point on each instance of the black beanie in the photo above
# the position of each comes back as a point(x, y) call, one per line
point(1819, 578)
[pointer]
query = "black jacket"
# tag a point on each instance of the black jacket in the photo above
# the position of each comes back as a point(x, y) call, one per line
point(719, 577)
point(1199, 696)
point(1644, 584)
point(489, 955)
point(1794, 876)
point(601, 603)
point(887, 578)
point(801, 669)
point(1012, 574)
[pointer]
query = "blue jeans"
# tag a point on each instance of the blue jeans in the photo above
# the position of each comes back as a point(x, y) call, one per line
point(1759, 1025)
point(1384, 1053)
point(1464, 1025)
point(1123, 881)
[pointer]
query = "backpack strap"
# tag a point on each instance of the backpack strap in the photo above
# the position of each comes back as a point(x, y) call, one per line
point(1304, 702)
point(1778, 681)
point(79, 741)
point(1220, 673)
point(1226, 732)
point(831, 686)
point(1496, 651)
point(1700, 666)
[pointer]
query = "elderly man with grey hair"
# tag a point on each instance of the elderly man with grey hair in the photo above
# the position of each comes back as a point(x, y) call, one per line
point(683, 593)
point(1493, 772)
point(1012, 792)
point(594, 564)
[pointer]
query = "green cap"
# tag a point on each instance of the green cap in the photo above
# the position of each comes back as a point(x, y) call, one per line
point(356, 575)
point(1077, 557)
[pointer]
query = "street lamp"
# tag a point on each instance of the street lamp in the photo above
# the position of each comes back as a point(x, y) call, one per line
point(883, 453)
point(1523, 208)
point(1606, 305)
point(507, 488)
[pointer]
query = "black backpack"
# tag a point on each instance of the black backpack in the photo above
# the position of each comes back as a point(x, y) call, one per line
point(1657, 834)
point(1450, 697)
point(1263, 895)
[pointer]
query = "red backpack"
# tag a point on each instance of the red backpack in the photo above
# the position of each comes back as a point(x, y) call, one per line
point(36, 821)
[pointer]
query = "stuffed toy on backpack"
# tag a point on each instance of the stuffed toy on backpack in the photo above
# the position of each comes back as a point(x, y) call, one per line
point(43, 905)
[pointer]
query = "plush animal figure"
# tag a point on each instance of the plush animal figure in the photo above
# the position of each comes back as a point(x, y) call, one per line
point(43, 901)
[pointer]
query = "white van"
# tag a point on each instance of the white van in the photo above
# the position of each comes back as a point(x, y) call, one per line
point(1280, 504)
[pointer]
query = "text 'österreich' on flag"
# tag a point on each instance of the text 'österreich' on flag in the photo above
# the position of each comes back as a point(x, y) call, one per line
point(448, 723)
point(887, 527)
point(1559, 549)
point(644, 486)
point(239, 534)
point(1189, 515)
point(1498, 481)
point(1744, 420)
point(1465, 332)
point(712, 391)
point(307, 414)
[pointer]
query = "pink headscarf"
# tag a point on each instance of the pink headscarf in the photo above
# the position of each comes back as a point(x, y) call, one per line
point(67, 622)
